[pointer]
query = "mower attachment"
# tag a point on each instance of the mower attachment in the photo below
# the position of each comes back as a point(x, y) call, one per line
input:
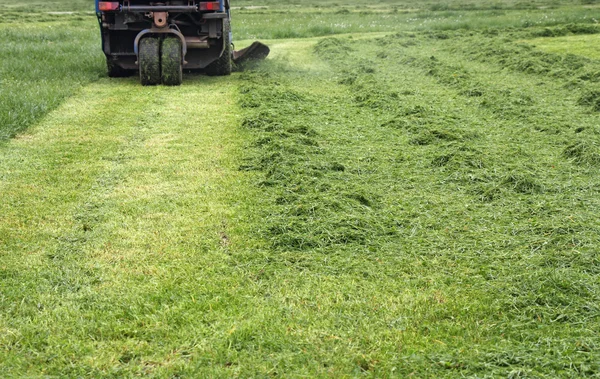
point(256, 51)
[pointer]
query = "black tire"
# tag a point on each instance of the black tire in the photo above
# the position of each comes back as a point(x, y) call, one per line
point(224, 64)
point(149, 61)
point(171, 58)
point(116, 71)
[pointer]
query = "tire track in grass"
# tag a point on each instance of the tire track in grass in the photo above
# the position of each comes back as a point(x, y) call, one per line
point(114, 214)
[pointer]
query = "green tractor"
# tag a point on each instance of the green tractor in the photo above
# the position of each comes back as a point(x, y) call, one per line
point(160, 40)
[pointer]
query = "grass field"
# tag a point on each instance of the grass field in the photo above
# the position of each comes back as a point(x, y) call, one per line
point(398, 191)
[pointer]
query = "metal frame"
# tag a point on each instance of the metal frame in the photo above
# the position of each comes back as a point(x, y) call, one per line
point(160, 8)
point(127, 7)
point(192, 6)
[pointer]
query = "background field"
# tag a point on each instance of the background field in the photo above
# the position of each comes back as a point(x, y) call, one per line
point(399, 190)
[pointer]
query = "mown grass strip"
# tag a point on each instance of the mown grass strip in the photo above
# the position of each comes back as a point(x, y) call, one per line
point(338, 210)
point(575, 44)
point(116, 223)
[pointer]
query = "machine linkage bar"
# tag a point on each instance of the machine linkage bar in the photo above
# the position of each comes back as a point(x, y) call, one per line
point(160, 8)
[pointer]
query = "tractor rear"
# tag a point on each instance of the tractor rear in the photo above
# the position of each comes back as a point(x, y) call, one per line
point(161, 39)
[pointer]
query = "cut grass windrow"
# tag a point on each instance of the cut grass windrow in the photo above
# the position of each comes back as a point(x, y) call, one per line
point(471, 195)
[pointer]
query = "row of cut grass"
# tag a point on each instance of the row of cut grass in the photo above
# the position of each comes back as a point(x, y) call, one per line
point(442, 188)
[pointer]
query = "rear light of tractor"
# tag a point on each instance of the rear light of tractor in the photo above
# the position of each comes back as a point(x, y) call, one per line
point(108, 6)
point(210, 6)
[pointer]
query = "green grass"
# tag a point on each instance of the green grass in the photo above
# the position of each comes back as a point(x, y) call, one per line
point(42, 64)
point(584, 45)
point(38, 49)
point(303, 23)
point(441, 179)
point(129, 205)
point(47, 6)
point(45, 58)
point(18, 12)
point(420, 200)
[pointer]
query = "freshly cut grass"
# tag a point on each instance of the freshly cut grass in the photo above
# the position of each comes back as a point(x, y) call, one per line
point(414, 164)
point(416, 204)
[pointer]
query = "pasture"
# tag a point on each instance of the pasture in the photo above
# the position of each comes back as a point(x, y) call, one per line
point(404, 189)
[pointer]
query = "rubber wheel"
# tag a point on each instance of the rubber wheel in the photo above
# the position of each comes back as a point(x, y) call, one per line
point(149, 61)
point(224, 64)
point(171, 62)
point(116, 71)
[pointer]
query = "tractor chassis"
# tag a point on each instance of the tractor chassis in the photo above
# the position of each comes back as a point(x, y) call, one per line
point(161, 39)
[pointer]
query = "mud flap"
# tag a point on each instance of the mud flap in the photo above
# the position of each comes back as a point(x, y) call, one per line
point(256, 51)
